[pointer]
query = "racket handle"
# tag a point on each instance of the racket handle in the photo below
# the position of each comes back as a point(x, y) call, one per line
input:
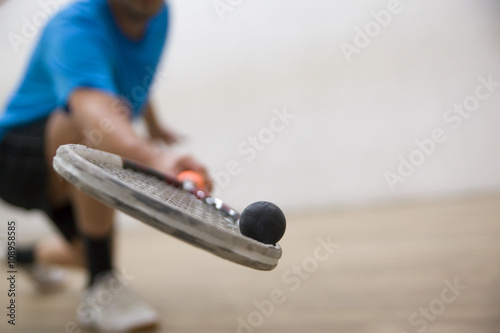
point(171, 180)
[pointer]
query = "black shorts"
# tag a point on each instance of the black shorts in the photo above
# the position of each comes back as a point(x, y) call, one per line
point(24, 175)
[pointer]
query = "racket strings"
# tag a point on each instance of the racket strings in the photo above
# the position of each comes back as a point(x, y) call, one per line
point(170, 195)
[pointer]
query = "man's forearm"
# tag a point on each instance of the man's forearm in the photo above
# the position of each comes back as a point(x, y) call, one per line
point(104, 127)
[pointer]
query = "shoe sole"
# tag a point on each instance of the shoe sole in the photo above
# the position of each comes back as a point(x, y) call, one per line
point(139, 328)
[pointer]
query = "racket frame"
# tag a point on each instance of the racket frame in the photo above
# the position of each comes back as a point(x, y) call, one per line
point(74, 163)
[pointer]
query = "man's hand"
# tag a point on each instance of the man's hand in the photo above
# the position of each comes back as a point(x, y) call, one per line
point(172, 164)
point(164, 135)
point(157, 131)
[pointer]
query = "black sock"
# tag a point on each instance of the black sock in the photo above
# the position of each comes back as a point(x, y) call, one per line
point(99, 253)
point(25, 255)
point(65, 221)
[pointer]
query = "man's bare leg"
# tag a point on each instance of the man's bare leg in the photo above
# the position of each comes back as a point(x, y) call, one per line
point(58, 251)
point(94, 218)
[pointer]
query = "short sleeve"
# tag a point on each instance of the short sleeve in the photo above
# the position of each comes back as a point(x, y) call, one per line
point(77, 55)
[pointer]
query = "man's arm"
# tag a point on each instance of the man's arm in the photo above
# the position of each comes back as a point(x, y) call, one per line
point(104, 123)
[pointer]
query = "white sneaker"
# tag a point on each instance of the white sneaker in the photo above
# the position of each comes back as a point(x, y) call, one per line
point(47, 278)
point(108, 306)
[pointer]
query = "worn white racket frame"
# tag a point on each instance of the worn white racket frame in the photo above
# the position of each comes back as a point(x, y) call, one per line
point(166, 207)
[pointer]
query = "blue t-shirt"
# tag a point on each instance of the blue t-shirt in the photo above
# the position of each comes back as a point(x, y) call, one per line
point(82, 46)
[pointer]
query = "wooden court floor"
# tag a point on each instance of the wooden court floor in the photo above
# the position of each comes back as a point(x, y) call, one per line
point(421, 267)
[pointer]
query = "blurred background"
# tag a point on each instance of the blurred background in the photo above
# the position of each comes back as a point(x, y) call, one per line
point(327, 108)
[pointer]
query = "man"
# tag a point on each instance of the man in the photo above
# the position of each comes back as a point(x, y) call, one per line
point(88, 77)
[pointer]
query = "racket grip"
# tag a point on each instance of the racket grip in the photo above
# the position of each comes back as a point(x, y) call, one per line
point(171, 180)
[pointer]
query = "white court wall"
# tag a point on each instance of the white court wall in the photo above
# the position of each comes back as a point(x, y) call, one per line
point(226, 73)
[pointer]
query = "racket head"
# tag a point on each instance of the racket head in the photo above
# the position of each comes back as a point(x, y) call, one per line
point(163, 206)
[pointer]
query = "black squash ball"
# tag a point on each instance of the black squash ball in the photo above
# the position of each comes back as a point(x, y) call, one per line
point(263, 221)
